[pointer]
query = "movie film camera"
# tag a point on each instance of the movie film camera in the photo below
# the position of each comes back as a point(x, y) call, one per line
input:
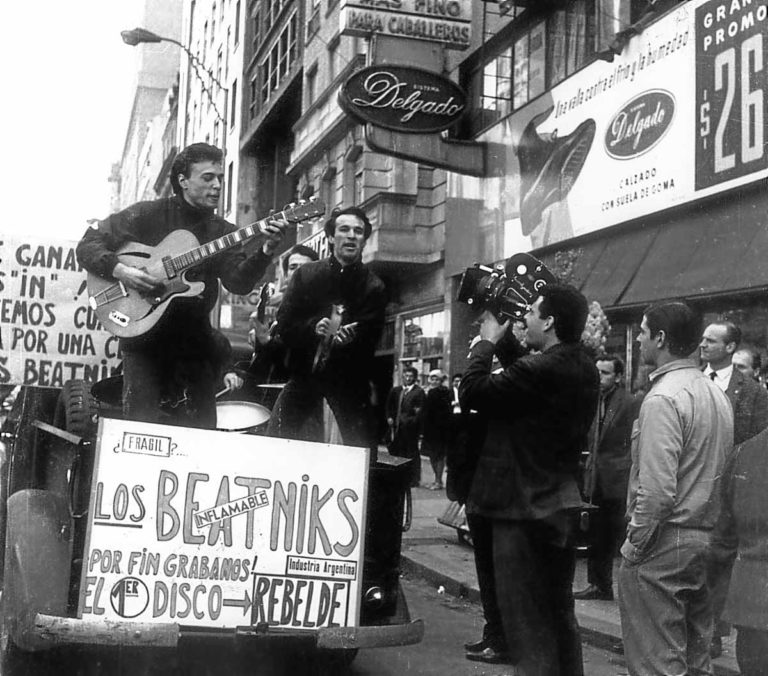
point(507, 291)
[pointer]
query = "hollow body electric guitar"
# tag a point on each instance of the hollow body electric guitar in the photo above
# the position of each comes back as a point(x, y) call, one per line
point(126, 312)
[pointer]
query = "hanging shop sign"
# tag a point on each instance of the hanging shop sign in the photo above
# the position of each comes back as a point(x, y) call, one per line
point(402, 98)
point(679, 115)
point(48, 333)
point(448, 22)
point(261, 532)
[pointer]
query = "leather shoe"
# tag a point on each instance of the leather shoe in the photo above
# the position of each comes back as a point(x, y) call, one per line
point(489, 655)
point(593, 593)
point(476, 646)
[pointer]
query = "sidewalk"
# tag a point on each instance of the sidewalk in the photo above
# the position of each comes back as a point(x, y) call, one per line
point(433, 551)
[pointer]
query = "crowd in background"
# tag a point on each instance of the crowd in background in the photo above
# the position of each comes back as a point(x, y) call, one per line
point(671, 475)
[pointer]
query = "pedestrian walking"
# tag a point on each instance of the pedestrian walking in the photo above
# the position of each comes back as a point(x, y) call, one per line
point(436, 426)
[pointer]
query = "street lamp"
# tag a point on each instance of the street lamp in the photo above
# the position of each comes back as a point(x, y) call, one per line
point(137, 36)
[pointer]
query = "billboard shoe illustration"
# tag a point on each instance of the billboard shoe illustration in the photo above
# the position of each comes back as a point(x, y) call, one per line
point(549, 166)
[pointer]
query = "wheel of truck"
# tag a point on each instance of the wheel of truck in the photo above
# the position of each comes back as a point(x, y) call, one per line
point(77, 410)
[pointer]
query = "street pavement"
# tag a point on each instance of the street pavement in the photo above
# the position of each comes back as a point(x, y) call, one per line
point(433, 551)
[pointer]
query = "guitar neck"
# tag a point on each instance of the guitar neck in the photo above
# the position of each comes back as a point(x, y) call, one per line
point(200, 254)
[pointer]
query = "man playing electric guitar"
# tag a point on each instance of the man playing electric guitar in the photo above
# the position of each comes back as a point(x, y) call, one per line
point(178, 352)
point(330, 320)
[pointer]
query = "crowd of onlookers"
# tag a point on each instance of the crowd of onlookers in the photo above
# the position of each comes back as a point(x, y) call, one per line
point(671, 475)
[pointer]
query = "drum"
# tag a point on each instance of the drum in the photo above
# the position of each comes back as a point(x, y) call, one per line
point(241, 416)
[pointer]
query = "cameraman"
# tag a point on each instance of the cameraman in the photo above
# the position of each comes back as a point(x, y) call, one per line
point(538, 411)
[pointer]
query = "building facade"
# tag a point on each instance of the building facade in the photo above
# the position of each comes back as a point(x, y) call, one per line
point(403, 199)
point(157, 69)
point(632, 156)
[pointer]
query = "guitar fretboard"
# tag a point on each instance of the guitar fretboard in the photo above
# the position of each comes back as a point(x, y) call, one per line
point(197, 255)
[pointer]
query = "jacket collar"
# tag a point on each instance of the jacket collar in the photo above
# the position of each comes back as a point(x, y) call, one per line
point(674, 365)
point(345, 270)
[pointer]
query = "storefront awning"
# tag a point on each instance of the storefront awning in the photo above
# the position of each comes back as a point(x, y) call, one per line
point(709, 252)
point(712, 249)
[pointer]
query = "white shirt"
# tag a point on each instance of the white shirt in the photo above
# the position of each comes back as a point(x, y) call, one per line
point(722, 376)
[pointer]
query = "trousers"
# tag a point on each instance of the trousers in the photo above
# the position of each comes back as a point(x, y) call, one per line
point(481, 530)
point(607, 528)
point(666, 614)
point(534, 579)
point(298, 414)
point(148, 377)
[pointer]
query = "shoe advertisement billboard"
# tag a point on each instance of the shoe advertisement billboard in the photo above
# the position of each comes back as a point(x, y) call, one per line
point(217, 529)
point(676, 116)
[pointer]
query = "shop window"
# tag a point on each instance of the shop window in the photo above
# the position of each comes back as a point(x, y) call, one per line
point(422, 342)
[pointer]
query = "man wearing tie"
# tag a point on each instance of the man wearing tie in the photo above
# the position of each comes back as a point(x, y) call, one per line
point(750, 416)
point(404, 405)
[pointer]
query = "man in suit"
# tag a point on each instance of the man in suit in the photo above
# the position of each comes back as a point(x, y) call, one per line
point(719, 343)
point(404, 405)
point(606, 477)
point(537, 412)
point(750, 402)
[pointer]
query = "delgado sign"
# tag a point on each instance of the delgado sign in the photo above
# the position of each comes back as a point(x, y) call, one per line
point(640, 124)
point(261, 531)
point(402, 98)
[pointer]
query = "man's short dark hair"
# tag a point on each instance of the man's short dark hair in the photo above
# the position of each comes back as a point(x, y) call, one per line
point(411, 369)
point(330, 224)
point(732, 332)
point(681, 326)
point(568, 307)
point(300, 249)
point(192, 154)
point(618, 363)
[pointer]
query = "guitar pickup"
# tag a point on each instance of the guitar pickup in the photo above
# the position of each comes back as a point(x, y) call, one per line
point(119, 318)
